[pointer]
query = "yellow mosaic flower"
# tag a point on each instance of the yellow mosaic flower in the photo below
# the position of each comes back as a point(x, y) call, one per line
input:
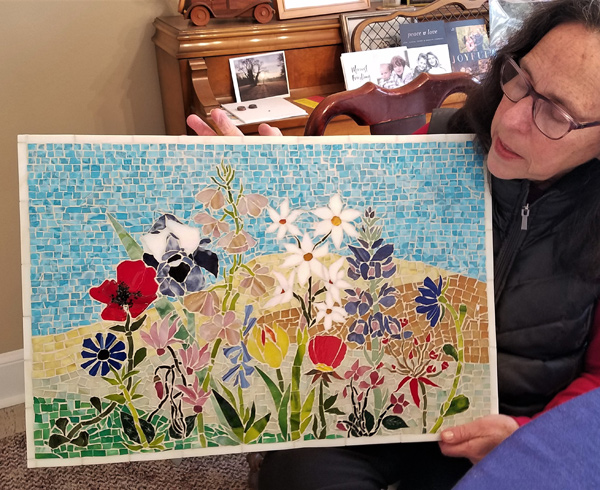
point(269, 345)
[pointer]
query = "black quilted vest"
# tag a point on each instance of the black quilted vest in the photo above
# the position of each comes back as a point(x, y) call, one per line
point(544, 309)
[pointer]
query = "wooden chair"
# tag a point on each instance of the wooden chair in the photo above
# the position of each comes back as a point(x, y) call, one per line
point(401, 110)
point(371, 31)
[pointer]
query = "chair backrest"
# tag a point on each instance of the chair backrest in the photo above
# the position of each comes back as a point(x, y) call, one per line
point(370, 32)
point(389, 111)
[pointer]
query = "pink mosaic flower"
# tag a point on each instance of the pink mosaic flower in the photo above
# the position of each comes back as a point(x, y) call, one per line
point(161, 335)
point(226, 327)
point(194, 359)
point(252, 204)
point(210, 225)
point(236, 243)
point(212, 198)
point(203, 302)
point(194, 395)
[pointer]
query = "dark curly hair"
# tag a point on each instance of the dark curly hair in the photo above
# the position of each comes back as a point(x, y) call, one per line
point(479, 109)
point(579, 245)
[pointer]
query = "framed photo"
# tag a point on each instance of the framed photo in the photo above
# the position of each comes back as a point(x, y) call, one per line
point(348, 23)
point(290, 9)
point(259, 76)
point(379, 32)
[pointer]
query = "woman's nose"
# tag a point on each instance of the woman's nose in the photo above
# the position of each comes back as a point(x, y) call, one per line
point(519, 115)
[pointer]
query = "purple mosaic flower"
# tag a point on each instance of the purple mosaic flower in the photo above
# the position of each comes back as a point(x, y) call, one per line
point(429, 301)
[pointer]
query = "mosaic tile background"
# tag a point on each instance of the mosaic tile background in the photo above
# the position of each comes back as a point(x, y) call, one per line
point(429, 192)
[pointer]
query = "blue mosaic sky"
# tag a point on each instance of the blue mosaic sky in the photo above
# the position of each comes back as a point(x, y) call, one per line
point(430, 196)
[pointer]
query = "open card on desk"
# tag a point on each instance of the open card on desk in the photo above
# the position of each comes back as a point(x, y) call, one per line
point(253, 111)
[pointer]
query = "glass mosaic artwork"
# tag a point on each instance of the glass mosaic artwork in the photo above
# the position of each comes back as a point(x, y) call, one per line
point(191, 296)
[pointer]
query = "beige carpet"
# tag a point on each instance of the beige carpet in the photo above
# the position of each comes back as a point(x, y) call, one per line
point(206, 473)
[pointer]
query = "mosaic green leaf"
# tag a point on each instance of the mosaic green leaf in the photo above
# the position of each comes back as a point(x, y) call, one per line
point(57, 440)
point(62, 423)
point(257, 428)
point(232, 417)
point(459, 404)
point(120, 399)
point(273, 388)
point(164, 307)
point(81, 440)
point(393, 422)
point(451, 351)
point(134, 251)
point(128, 425)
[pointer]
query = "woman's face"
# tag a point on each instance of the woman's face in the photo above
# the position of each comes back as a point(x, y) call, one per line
point(422, 62)
point(432, 60)
point(519, 150)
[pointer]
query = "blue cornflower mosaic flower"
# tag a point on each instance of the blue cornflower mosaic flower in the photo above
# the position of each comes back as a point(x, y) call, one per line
point(102, 354)
point(429, 301)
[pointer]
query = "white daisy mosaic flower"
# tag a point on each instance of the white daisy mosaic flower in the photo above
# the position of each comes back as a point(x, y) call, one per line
point(283, 220)
point(304, 258)
point(334, 280)
point(336, 220)
point(329, 313)
point(284, 291)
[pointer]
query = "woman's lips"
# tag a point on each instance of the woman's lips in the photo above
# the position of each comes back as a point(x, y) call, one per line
point(503, 151)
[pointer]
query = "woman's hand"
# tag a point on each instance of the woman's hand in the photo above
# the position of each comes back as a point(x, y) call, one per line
point(476, 439)
point(225, 125)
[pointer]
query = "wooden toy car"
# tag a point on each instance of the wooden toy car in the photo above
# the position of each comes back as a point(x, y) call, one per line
point(200, 11)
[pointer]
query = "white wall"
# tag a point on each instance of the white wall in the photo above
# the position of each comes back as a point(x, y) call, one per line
point(68, 67)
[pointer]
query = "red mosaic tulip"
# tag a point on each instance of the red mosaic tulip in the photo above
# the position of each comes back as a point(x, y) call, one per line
point(326, 352)
point(132, 292)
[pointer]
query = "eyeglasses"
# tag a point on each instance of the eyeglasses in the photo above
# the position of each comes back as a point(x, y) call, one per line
point(553, 121)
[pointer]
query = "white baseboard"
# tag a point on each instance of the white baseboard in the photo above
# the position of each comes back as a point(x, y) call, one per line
point(12, 378)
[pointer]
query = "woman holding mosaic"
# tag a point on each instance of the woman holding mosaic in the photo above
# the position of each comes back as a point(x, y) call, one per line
point(540, 128)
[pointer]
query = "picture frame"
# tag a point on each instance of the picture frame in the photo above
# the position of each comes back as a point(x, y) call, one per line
point(348, 23)
point(259, 76)
point(381, 30)
point(290, 9)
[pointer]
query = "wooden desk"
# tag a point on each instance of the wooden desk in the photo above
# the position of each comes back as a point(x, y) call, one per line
point(193, 63)
point(194, 74)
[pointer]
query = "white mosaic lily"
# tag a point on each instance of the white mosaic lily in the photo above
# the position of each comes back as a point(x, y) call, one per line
point(284, 291)
point(283, 220)
point(304, 258)
point(329, 313)
point(334, 280)
point(336, 220)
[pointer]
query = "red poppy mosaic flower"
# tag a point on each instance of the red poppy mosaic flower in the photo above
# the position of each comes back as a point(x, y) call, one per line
point(132, 292)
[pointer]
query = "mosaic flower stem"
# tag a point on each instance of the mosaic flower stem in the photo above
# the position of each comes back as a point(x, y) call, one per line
point(201, 434)
point(97, 418)
point(295, 400)
point(459, 319)
point(213, 355)
point(424, 395)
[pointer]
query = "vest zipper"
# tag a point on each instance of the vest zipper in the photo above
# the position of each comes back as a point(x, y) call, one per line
point(516, 235)
point(524, 216)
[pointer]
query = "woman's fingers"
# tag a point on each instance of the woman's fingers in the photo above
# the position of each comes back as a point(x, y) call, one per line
point(225, 125)
point(199, 126)
point(266, 130)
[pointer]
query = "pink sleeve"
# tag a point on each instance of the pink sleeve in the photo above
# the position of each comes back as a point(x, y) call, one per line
point(589, 378)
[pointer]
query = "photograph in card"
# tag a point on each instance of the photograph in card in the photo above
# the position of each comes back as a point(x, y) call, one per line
point(427, 47)
point(388, 68)
point(469, 46)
